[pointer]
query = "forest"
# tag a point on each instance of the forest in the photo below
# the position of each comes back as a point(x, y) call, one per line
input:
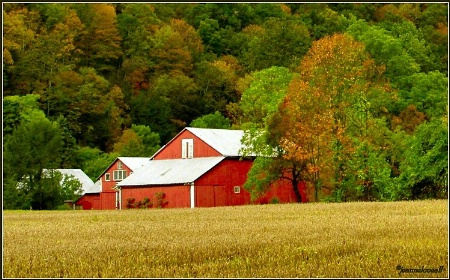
point(351, 98)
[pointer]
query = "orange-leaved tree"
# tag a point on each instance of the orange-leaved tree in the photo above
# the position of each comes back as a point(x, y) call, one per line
point(319, 113)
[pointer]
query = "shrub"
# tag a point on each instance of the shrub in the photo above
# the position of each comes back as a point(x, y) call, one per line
point(275, 200)
point(64, 207)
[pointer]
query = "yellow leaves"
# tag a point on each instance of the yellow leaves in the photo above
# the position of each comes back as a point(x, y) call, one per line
point(285, 9)
point(254, 30)
point(442, 28)
point(7, 57)
point(311, 168)
point(16, 33)
point(225, 68)
point(244, 83)
point(189, 35)
point(335, 68)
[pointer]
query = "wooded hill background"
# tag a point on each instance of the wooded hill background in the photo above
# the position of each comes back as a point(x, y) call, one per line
point(84, 83)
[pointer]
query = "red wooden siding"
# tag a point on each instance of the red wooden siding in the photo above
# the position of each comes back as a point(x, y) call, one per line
point(108, 194)
point(216, 187)
point(282, 191)
point(173, 148)
point(176, 196)
point(107, 186)
point(108, 200)
point(89, 201)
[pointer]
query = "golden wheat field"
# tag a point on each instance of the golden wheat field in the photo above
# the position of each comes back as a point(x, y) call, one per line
point(360, 239)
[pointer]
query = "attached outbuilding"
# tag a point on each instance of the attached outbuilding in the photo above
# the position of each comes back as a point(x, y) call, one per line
point(91, 198)
point(106, 195)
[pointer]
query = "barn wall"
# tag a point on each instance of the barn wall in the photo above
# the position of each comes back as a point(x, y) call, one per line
point(216, 187)
point(107, 186)
point(89, 201)
point(108, 200)
point(283, 192)
point(177, 196)
point(173, 148)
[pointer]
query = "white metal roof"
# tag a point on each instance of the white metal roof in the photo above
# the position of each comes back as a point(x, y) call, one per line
point(225, 141)
point(86, 182)
point(95, 188)
point(171, 171)
point(134, 163)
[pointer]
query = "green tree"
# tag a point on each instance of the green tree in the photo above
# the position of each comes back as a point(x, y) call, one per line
point(63, 186)
point(433, 22)
point(265, 93)
point(33, 146)
point(18, 109)
point(321, 20)
point(149, 139)
point(153, 110)
point(129, 144)
point(137, 24)
point(216, 81)
point(181, 93)
point(70, 147)
point(427, 91)
point(94, 161)
point(95, 109)
point(170, 52)
point(385, 49)
point(280, 42)
point(413, 43)
point(71, 188)
point(259, 104)
point(424, 172)
point(216, 120)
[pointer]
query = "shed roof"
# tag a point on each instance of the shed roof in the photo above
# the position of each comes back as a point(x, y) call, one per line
point(86, 182)
point(134, 163)
point(95, 188)
point(171, 171)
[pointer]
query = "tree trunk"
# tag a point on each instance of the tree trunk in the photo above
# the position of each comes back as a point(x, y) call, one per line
point(298, 196)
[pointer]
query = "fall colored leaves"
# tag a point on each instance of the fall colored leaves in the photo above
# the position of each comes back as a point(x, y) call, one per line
point(317, 117)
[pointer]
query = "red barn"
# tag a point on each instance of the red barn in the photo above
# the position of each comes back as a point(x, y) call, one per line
point(197, 168)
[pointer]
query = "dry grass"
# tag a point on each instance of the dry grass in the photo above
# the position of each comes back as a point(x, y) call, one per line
point(289, 240)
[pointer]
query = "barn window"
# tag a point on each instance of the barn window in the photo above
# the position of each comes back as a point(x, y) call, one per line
point(119, 165)
point(187, 148)
point(107, 177)
point(120, 175)
point(237, 189)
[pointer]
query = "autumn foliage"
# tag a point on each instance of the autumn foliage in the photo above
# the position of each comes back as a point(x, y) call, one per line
point(314, 123)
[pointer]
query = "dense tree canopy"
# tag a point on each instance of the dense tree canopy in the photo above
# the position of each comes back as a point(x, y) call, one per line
point(116, 79)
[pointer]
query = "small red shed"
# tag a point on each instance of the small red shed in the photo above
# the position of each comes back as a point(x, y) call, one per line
point(91, 198)
point(198, 168)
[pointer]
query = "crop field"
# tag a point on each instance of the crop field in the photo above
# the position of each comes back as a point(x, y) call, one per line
point(359, 239)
